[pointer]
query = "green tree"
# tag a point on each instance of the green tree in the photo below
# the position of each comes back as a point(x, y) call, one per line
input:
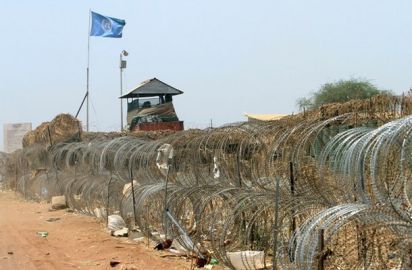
point(340, 91)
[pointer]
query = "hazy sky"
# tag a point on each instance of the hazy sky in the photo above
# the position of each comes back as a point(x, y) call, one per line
point(228, 56)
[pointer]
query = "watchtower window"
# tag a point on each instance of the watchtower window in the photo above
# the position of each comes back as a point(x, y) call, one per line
point(142, 103)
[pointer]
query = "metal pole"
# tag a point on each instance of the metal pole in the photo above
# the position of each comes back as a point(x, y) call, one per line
point(239, 176)
point(121, 92)
point(188, 239)
point(108, 198)
point(122, 66)
point(87, 103)
point(276, 230)
point(321, 264)
point(88, 68)
point(81, 105)
point(133, 197)
point(166, 207)
point(292, 191)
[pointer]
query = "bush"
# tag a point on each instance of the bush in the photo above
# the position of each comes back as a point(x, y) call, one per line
point(341, 91)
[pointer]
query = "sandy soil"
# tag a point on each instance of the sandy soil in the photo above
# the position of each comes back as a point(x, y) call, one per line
point(74, 241)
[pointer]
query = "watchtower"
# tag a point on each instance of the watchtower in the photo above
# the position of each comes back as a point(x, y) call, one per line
point(150, 107)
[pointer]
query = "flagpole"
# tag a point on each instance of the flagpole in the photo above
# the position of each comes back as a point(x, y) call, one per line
point(88, 68)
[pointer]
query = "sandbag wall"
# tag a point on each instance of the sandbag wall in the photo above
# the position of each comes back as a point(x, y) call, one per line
point(304, 194)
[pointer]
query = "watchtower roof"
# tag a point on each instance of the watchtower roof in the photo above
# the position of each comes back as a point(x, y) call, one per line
point(151, 88)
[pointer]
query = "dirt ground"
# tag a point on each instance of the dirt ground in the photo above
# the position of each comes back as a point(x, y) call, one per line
point(74, 241)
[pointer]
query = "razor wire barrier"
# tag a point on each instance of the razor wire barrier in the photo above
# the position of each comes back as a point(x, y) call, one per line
point(342, 200)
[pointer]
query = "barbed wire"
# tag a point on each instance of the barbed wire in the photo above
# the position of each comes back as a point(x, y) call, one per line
point(344, 189)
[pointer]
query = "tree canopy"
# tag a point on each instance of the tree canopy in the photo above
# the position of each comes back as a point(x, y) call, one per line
point(340, 91)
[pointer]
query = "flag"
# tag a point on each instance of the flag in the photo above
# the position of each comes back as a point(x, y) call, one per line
point(103, 26)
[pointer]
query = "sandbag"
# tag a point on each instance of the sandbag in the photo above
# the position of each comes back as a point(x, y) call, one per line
point(63, 127)
point(127, 188)
point(100, 213)
point(248, 259)
point(58, 202)
point(115, 223)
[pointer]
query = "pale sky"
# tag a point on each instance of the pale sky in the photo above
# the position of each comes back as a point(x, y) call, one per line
point(228, 56)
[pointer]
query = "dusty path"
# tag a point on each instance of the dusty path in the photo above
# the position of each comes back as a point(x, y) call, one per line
point(74, 242)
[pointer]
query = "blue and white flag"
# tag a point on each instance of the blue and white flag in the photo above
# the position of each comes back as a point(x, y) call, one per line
point(103, 26)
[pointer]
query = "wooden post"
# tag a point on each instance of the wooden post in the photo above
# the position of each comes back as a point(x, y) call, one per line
point(50, 138)
point(370, 109)
point(402, 103)
point(80, 130)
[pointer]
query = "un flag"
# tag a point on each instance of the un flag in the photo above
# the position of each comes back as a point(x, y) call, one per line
point(103, 26)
